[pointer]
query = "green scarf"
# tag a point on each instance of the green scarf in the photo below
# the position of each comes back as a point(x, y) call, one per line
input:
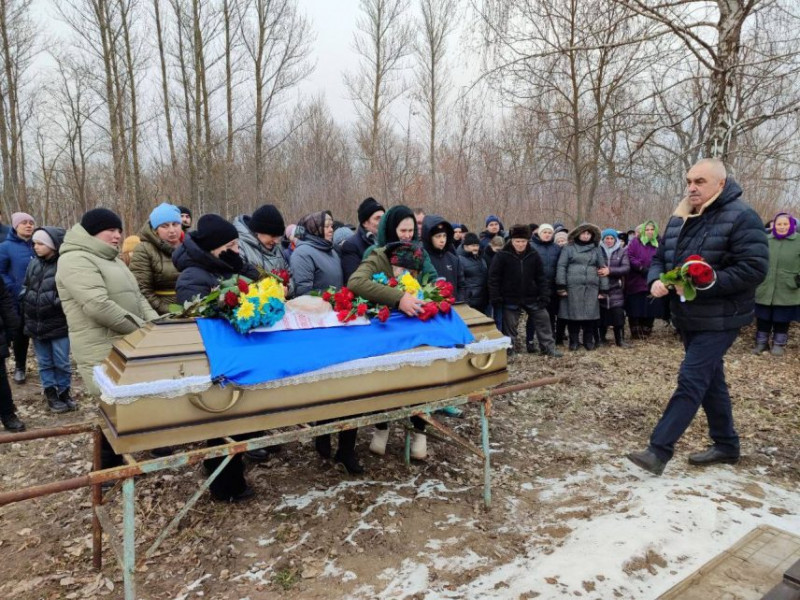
point(653, 241)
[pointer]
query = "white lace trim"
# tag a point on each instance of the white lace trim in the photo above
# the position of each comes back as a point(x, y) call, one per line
point(172, 388)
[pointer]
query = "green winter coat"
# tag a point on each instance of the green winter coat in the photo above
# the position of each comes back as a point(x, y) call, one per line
point(361, 283)
point(782, 285)
point(100, 299)
point(151, 265)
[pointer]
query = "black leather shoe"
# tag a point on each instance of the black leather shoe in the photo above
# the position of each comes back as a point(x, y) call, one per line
point(258, 455)
point(648, 461)
point(245, 494)
point(712, 456)
point(573, 347)
point(12, 423)
point(350, 463)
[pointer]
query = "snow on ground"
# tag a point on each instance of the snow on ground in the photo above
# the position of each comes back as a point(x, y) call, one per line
point(632, 535)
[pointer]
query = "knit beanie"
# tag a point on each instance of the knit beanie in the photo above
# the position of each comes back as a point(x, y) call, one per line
point(341, 235)
point(520, 231)
point(130, 243)
point(99, 219)
point(164, 213)
point(561, 235)
point(367, 208)
point(546, 227)
point(612, 232)
point(213, 231)
point(470, 238)
point(491, 218)
point(41, 236)
point(19, 217)
point(267, 219)
point(185, 211)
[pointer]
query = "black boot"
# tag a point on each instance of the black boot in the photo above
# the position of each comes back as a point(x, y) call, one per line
point(65, 396)
point(54, 402)
point(323, 445)
point(12, 423)
point(619, 338)
point(349, 461)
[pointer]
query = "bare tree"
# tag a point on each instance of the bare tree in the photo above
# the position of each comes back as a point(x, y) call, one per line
point(277, 40)
point(383, 42)
point(173, 158)
point(437, 21)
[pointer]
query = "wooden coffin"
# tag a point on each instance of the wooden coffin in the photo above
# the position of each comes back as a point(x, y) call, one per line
point(174, 350)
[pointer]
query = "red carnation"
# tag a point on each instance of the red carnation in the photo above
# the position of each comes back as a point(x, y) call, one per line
point(701, 274)
point(282, 274)
point(392, 282)
point(231, 299)
point(383, 314)
point(243, 286)
point(326, 296)
point(694, 257)
point(342, 315)
point(361, 310)
point(444, 306)
point(429, 310)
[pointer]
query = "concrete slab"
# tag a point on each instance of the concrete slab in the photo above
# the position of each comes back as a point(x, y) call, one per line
point(746, 571)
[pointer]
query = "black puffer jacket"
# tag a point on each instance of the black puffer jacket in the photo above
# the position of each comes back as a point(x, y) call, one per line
point(549, 253)
point(353, 249)
point(9, 321)
point(729, 235)
point(44, 317)
point(201, 271)
point(476, 279)
point(444, 261)
point(518, 278)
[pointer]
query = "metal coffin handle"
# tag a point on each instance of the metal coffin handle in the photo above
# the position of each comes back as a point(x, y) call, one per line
point(489, 362)
point(197, 400)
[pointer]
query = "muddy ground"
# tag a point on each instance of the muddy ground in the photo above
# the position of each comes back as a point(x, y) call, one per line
point(421, 531)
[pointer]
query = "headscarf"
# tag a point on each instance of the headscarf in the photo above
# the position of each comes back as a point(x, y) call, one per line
point(314, 223)
point(643, 236)
point(392, 219)
point(792, 225)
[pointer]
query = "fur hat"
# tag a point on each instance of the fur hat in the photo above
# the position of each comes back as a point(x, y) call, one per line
point(520, 231)
point(470, 238)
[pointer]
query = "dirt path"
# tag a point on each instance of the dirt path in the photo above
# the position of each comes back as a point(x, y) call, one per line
point(570, 517)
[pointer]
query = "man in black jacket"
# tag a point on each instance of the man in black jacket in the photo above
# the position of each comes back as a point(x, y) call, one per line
point(353, 248)
point(714, 223)
point(517, 282)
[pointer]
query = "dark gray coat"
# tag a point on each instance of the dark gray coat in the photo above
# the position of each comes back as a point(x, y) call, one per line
point(619, 268)
point(44, 317)
point(577, 274)
point(315, 265)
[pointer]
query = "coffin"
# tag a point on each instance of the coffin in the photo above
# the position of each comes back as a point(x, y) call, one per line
point(183, 406)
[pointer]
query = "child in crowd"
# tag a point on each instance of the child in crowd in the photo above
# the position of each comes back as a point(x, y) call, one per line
point(517, 282)
point(437, 237)
point(45, 321)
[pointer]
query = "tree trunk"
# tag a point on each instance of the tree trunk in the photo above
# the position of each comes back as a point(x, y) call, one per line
point(173, 159)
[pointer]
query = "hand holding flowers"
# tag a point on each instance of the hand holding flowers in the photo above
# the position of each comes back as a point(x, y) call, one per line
point(694, 274)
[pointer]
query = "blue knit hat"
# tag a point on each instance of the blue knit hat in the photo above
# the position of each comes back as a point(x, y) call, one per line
point(491, 218)
point(612, 232)
point(164, 213)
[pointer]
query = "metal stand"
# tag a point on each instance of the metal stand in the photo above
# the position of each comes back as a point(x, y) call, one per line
point(125, 548)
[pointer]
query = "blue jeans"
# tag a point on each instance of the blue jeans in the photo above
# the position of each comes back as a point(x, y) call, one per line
point(701, 382)
point(53, 358)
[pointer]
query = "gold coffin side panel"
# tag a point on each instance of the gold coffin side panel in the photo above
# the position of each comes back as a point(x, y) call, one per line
point(174, 350)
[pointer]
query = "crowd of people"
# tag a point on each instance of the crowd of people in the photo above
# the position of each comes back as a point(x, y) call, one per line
point(77, 291)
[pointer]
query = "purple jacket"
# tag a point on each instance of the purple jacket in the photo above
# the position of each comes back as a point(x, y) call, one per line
point(640, 257)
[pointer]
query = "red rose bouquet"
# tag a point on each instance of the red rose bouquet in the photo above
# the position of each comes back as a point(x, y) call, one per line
point(348, 306)
point(694, 274)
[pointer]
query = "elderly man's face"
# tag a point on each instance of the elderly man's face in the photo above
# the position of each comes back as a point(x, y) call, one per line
point(702, 184)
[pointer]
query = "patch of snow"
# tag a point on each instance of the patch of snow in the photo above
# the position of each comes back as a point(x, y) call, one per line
point(459, 564)
point(193, 586)
point(265, 542)
point(527, 486)
point(331, 570)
